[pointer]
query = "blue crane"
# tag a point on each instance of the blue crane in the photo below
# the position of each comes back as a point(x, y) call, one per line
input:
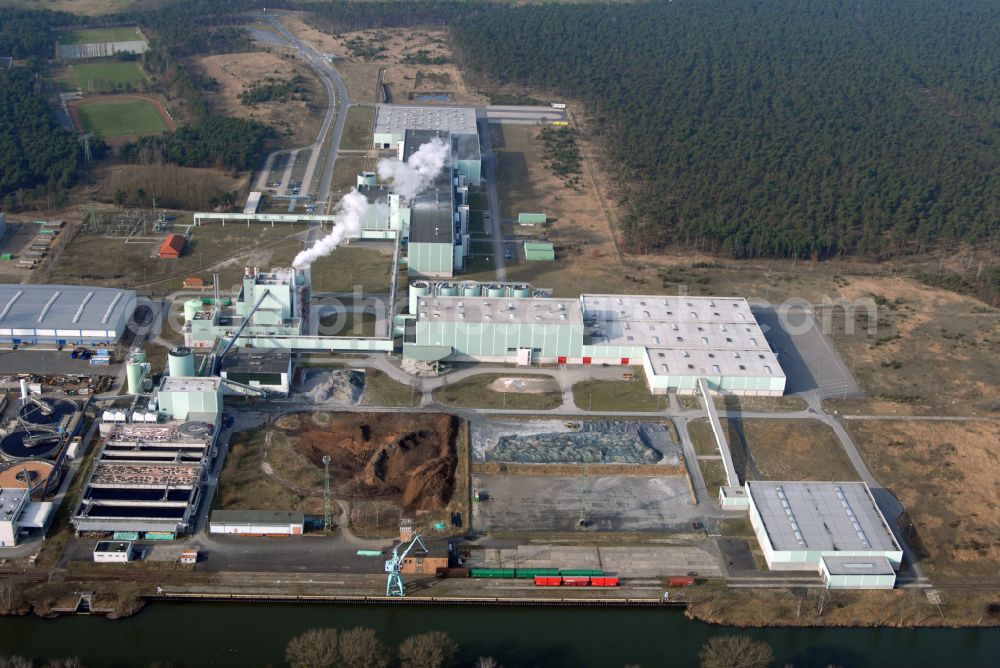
point(394, 586)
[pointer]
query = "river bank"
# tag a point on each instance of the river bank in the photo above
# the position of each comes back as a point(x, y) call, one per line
point(711, 603)
point(231, 635)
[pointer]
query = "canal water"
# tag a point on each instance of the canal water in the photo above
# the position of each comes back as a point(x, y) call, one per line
point(255, 635)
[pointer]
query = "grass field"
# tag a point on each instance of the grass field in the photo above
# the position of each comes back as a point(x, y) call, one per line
point(356, 264)
point(102, 77)
point(121, 117)
point(345, 173)
point(617, 395)
point(358, 128)
point(93, 35)
point(382, 390)
point(765, 449)
point(473, 392)
point(947, 475)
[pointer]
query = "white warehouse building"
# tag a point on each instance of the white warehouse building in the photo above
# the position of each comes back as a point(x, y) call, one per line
point(63, 315)
point(831, 528)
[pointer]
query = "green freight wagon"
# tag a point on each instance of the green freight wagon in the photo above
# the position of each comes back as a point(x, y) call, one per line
point(589, 572)
point(531, 573)
point(493, 573)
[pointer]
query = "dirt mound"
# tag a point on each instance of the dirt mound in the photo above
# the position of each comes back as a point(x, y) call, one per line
point(410, 458)
point(339, 387)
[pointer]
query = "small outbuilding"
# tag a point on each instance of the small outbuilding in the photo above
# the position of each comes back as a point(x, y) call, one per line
point(531, 218)
point(189, 557)
point(113, 551)
point(257, 522)
point(172, 246)
point(539, 250)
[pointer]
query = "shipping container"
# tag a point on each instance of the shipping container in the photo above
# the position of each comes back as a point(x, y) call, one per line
point(528, 573)
point(6, 256)
point(547, 581)
point(606, 581)
point(126, 535)
point(590, 572)
point(680, 581)
point(159, 535)
point(576, 581)
point(493, 573)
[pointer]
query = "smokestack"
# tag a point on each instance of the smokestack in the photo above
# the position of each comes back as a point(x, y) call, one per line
point(24, 390)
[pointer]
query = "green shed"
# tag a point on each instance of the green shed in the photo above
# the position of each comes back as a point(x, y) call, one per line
point(538, 250)
point(531, 218)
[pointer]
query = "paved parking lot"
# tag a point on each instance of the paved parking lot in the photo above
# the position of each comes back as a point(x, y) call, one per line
point(627, 561)
point(806, 355)
point(553, 503)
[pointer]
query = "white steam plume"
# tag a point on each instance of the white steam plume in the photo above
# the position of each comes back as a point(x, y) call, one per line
point(411, 177)
point(350, 212)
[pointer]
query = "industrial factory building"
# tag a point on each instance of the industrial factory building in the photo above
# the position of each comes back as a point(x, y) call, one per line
point(831, 528)
point(63, 315)
point(459, 123)
point(269, 370)
point(257, 522)
point(19, 514)
point(435, 230)
point(272, 310)
point(676, 340)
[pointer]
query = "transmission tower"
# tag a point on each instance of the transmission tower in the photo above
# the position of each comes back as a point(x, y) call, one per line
point(327, 500)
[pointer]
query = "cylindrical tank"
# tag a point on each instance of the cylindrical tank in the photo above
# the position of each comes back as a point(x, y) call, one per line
point(180, 363)
point(521, 291)
point(418, 289)
point(494, 290)
point(448, 290)
point(133, 374)
point(470, 289)
point(139, 354)
point(191, 308)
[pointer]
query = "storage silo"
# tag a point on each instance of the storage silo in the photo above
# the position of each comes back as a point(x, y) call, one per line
point(470, 289)
point(180, 363)
point(418, 289)
point(139, 354)
point(191, 308)
point(495, 290)
point(448, 290)
point(521, 291)
point(133, 374)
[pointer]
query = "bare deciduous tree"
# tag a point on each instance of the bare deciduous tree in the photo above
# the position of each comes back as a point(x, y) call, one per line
point(487, 662)
point(15, 662)
point(735, 652)
point(359, 648)
point(428, 650)
point(316, 648)
point(71, 662)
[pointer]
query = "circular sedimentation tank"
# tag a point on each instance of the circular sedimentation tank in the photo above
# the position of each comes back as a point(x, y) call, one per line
point(20, 445)
point(33, 474)
point(56, 411)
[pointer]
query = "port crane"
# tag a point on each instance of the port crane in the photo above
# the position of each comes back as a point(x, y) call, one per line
point(394, 586)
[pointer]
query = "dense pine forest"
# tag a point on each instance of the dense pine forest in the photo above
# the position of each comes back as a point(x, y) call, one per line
point(774, 127)
point(34, 150)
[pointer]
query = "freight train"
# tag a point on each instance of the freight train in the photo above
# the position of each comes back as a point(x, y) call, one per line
point(542, 577)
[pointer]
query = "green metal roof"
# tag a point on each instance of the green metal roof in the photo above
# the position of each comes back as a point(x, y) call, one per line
point(426, 353)
point(539, 250)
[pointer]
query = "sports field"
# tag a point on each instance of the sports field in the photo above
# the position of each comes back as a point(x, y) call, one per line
point(92, 35)
point(100, 77)
point(118, 117)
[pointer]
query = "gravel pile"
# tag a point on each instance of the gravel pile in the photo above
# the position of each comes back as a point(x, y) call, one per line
point(338, 387)
point(597, 442)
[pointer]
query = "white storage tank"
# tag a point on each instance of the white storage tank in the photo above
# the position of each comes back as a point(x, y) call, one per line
point(180, 363)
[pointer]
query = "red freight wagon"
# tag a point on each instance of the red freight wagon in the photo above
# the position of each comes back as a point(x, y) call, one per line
point(605, 581)
point(576, 581)
point(680, 581)
point(547, 581)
